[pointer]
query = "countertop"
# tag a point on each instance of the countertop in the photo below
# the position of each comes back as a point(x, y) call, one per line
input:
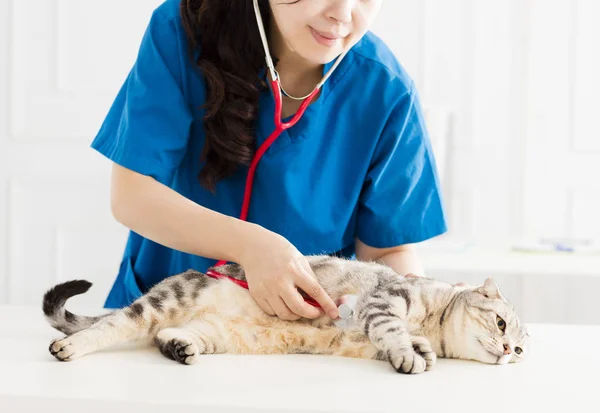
point(561, 374)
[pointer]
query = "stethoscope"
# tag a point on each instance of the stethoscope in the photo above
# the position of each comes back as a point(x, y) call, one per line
point(277, 94)
point(279, 128)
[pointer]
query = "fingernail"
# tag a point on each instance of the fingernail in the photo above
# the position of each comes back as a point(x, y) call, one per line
point(333, 314)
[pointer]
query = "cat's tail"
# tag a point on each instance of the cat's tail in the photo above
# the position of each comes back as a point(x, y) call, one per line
point(54, 307)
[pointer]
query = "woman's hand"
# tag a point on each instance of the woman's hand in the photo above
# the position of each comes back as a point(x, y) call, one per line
point(274, 270)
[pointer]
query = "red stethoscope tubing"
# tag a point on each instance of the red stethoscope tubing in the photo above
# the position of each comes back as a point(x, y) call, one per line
point(279, 127)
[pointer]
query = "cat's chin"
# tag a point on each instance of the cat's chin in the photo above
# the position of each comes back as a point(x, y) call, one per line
point(504, 359)
point(495, 358)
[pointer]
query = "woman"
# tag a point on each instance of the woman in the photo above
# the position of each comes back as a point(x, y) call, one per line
point(355, 176)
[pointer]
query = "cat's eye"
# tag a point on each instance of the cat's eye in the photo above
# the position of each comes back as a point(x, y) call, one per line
point(518, 350)
point(501, 323)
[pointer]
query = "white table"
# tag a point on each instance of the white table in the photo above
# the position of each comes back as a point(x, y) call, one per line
point(560, 376)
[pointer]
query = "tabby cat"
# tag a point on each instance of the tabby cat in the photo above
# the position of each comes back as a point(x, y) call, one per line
point(406, 321)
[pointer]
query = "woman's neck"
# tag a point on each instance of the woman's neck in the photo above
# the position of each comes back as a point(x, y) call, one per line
point(298, 76)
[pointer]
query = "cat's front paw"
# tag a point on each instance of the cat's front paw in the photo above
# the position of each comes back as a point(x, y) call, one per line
point(423, 347)
point(407, 361)
point(63, 349)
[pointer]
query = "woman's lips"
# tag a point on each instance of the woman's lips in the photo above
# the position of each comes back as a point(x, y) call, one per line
point(324, 38)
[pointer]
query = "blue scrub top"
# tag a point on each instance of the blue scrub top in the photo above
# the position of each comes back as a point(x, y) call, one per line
point(358, 164)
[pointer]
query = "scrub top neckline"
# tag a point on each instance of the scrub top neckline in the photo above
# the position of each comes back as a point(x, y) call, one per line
point(266, 119)
point(322, 94)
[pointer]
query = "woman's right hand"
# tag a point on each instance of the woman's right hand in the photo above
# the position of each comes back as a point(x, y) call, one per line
point(274, 270)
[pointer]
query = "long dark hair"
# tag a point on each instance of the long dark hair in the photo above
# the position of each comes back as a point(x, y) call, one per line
point(230, 59)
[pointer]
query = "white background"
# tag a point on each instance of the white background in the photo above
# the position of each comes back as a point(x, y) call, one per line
point(510, 89)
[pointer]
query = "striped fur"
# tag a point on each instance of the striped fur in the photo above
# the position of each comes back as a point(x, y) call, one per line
point(407, 321)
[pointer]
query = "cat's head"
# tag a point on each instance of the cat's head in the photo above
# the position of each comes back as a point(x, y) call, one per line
point(488, 329)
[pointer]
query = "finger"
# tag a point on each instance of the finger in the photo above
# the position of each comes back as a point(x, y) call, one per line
point(295, 302)
point(261, 301)
point(310, 285)
point(281, 309)
point(266, 307)
point(411, 275)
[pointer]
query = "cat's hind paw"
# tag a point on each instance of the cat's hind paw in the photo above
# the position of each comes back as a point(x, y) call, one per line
point(179, 349)
point(63, 349)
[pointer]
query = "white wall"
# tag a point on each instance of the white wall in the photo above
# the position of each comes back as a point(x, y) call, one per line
point(511, 84)
point(521, 78)
point(62, 63)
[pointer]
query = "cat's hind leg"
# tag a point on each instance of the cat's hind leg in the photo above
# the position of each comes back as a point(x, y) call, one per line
point(138, 322)
point(114, 329)
point(186, 343)
point(169, 303)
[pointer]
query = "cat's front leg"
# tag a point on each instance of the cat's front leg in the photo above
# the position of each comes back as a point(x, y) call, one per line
point(388, 332)
point(422, 346)
point(397, 344)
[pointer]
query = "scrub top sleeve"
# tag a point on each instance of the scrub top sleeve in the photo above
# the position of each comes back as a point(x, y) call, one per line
point(401, 200)
point(148, 124)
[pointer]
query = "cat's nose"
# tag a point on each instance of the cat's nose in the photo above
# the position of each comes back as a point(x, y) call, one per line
point(507, 349)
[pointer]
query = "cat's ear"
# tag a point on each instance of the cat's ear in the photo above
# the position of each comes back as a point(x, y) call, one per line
point(490, 289)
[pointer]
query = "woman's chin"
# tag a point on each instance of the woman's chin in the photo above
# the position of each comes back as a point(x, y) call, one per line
point(320, 55)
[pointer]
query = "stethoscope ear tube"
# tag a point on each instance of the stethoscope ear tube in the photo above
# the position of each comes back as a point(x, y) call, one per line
point(263, 37)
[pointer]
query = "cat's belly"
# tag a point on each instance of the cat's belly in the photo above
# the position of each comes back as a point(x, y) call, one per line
point(246, 329)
